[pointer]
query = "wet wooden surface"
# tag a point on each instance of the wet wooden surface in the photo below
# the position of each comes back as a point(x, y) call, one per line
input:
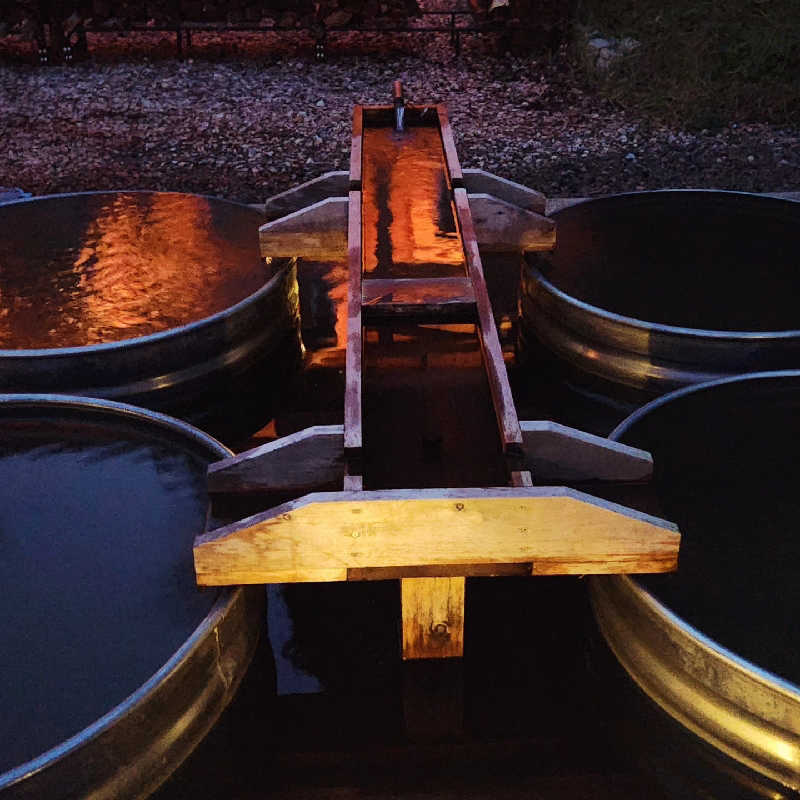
point(325, 711)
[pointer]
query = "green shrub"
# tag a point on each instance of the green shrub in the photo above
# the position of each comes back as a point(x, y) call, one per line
point(704, 62)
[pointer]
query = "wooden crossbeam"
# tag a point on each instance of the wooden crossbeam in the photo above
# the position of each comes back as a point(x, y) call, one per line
point(420, 299)
point(337, 184)
point(322, 536)
point(299, 463)
point(555, 452)
point(318, 231)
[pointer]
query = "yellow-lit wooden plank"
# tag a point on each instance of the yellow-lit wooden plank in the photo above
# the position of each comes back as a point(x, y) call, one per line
point(433, 617)
point(320, 536)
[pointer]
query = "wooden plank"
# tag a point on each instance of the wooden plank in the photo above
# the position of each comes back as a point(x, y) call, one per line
point(555, 452)
point(433, 617)
point(520, 570)
point(478, 181)
point(355, 148)
point(317, 232)
point(502, 227)
point(329, 184)
point(299, 463)
point(505, 411)
point(416, 290)
point(520, 477)
point(354, 346)
point(449, 145)
point(434, 299)
point(321, 536)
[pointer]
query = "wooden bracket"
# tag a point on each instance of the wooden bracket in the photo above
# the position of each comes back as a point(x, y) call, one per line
point(298, 463)
point(314, 457)
point(556, 452)
point(325, 536)
point(318, 232)
point(337, 184)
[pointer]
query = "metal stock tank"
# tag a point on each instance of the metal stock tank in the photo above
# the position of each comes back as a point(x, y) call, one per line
point(716, 645)
point(115, 664)
point(160, 299)
point(649, 292)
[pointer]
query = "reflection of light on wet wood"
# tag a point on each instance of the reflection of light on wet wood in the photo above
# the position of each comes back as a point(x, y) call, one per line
point(409, 225)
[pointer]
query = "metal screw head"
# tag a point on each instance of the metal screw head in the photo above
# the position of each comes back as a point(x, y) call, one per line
point(440, 628)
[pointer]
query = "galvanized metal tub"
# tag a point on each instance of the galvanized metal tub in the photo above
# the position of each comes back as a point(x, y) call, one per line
point(181, 651)
point(649, 292)
point(159, 299)
point(717, 645)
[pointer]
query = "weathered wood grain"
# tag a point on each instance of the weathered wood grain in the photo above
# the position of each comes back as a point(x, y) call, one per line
point(356, 142)
point(478, 181)
point(449, 144)
point(299, 463)
point(433, 617)
point(503, 227)
point(337, 184)
point(317, 232)
point(354, 346)
point(555, 452)
point(329, 184)
point(505, 410)
point(321, 536)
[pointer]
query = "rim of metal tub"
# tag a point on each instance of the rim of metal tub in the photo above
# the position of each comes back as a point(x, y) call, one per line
point(213, 659)
point(743, 710)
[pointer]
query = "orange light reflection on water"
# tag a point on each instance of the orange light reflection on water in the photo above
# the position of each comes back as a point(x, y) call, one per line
point(408, 223)
point(87, 269)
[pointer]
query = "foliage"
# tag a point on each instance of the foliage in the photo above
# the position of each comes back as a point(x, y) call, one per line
point(704, 62)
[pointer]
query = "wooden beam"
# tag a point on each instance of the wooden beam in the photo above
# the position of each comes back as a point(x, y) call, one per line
point(298, 463)
point(556, 452)
point(433, 617)
point(321, 536)
point(317, 232)
point(356, 143)
point(502, 227)
point(437, 299)
point(478, 181)
point(505, 411)
point(330, 184)
point(449, 144)
point(355, 346)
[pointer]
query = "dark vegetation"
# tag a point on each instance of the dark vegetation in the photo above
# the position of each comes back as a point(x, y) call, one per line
point(704, 62)
point(700, 63)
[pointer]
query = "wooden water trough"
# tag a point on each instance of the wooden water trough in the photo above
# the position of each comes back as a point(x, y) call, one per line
point(411, 226)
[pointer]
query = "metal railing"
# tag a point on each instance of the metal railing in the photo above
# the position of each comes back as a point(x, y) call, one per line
point(453, 22)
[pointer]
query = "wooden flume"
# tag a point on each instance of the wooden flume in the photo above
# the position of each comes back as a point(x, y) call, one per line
point(430, 539)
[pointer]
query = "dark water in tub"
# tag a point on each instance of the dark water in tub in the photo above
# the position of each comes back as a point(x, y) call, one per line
point(96, 530)
point(85, 269)
point(726, 471)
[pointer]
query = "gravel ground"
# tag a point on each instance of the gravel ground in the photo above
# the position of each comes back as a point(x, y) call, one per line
point(247, 116)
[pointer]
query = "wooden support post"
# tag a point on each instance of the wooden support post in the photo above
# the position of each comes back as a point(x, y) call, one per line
point(433, 617)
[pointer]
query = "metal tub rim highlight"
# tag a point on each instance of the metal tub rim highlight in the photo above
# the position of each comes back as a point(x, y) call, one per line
point(228, 632)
